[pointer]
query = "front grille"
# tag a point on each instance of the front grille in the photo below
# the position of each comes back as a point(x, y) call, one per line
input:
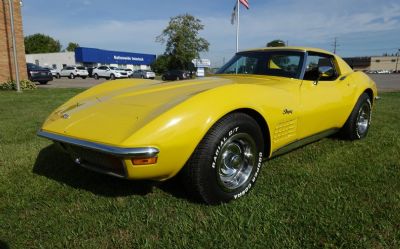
point(97, 160)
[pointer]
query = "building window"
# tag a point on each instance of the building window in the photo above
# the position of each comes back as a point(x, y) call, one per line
point(393, 60)
point(378, 61)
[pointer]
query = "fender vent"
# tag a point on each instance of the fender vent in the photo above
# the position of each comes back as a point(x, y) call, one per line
point(285, 130)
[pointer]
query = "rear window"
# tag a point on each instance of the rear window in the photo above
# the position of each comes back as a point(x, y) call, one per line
point(81, 68)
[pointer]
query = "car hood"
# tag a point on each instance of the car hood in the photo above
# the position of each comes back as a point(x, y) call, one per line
point(110, 114)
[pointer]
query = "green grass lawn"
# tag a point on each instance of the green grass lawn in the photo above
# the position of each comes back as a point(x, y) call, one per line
point(329, 194)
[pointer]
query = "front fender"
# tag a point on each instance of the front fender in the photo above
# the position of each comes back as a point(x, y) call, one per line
point(179, 130)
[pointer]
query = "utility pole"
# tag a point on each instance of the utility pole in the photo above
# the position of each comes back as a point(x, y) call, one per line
point(335, 45)
point(10, 4)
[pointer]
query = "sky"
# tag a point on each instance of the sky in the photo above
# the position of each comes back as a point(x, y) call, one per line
point(362, 27)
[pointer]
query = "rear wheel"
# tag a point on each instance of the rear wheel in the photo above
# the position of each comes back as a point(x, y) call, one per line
point(71, 76)
point(227, 161)
point(163, 78)
point(357, 125)
point(96, 76)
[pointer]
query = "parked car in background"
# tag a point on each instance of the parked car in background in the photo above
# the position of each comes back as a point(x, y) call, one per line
point(109, 72)
point(38, 74)
point(144, 74)
point(175, 75)
point(129, 72)
point(73, 71)
point(53, 71)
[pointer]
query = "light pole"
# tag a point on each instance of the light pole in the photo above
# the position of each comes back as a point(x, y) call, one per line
point(11, 5)
point(397, 59)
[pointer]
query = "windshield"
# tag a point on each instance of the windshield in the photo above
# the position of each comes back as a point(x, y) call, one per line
point(274, 63)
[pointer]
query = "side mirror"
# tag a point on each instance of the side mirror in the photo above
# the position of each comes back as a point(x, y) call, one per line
point(324, 72)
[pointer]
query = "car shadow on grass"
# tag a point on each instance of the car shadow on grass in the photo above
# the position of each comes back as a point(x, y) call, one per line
point(3, 245)
point(57, 165)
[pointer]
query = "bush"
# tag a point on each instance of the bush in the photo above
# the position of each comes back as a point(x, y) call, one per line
point(12, 85)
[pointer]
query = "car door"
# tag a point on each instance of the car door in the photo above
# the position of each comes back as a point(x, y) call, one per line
point(101, 71)
point(323, 97)
point(64, 71)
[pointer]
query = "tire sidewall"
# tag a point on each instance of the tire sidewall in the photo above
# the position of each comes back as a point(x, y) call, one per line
point(227, 130)
point(359, 106)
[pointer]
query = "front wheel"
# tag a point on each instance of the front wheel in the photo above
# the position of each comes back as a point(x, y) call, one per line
point(112, 77)
point(96, 76)
point(357, 125)
point(58, 76)
point(227, 161)
point(71, 76)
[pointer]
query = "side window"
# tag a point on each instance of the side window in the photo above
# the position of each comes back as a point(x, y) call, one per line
point(314, 62)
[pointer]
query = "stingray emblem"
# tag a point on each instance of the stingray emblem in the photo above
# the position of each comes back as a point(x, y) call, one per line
point(287, 111)
point(65, 116)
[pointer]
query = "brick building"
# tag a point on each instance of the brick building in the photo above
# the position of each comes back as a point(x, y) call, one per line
point(7, 67)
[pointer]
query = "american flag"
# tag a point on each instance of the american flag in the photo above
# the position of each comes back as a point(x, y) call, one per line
point(245, 3)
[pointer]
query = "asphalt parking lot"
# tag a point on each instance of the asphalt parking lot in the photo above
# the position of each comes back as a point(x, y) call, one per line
point(385, 82)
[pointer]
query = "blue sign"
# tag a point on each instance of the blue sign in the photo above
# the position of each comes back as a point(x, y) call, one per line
point(94, 55)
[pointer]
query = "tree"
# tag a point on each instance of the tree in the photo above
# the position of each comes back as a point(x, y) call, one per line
point(40, 43)
point(183, 43)
point(160, 65)
point(276, 43)
point(71, 46)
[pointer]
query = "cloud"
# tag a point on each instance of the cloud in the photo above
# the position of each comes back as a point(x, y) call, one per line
point(309, 23)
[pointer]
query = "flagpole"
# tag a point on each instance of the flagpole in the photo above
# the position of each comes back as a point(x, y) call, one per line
point(237, 26)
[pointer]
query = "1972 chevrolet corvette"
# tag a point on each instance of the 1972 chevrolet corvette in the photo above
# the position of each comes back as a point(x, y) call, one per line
point(215, 131)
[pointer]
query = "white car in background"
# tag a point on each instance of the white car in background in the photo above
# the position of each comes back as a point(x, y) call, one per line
point(129, 72)
point(73, 71)
point(53, 71)
point(109, 72)
point(144, 74)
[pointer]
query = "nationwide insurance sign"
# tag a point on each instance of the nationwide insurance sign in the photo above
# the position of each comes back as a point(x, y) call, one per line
point(94, 55)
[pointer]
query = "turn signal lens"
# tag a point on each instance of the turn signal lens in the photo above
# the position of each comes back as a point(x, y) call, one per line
point(144, 161)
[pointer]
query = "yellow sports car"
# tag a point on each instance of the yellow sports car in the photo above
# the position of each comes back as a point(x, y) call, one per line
point(216, 131)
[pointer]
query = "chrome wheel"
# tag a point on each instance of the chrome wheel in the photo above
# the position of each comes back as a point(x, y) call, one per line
point(236, 161)
point(363, 118)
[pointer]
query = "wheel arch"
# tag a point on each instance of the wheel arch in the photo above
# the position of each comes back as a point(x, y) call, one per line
point(262, 123)
point(370, 94)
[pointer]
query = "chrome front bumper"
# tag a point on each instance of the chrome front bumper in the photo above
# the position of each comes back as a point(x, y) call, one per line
point(112, 150)
point(98, 157)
